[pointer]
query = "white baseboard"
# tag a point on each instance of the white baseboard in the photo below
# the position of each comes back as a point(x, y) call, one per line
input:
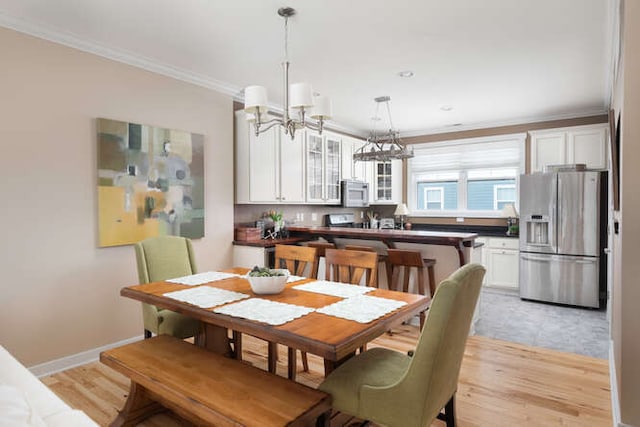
point(615, 399)
point(68, 362)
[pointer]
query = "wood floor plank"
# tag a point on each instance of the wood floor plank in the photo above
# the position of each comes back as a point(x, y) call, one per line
point(501, 384)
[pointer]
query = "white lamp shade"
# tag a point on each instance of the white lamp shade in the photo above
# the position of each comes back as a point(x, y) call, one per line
point(321, 108)
point(255, 99)
point(300, 95)
point(509, 211)
point(401, 209)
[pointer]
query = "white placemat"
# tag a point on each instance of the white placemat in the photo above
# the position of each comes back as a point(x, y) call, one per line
point(335, 289)
point(266, 311)
point(295, 278)
point(362, 308)
point(206, 296)
point(201, 278)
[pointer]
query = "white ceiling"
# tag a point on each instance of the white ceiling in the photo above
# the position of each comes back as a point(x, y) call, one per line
point(494, 61)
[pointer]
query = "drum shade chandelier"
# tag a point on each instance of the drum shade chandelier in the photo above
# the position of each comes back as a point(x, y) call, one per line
point(382, 147)
point(298, 99)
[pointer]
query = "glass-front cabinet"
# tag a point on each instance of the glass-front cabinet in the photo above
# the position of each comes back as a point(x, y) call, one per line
point(388, 182)
point(323, 158)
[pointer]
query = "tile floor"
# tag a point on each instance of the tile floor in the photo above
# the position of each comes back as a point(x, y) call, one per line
point(505, 316)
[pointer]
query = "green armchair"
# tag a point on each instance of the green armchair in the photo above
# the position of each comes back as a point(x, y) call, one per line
point(161, 258)
point(394, 389)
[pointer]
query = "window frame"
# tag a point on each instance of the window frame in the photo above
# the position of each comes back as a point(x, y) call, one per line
point(495, 194)
point(441, 201)
point(421, 176)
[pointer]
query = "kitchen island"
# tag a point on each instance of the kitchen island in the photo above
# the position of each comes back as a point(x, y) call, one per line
point(458, 241)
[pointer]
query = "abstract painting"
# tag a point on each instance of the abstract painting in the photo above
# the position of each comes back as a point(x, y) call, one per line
point(150, 182)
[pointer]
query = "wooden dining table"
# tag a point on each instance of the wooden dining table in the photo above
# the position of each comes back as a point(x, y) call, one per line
point(333, 338)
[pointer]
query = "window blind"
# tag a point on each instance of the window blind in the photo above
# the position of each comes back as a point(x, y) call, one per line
point(471, 154)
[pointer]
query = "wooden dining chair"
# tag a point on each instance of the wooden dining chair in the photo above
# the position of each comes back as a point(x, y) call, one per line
point(321, 247)
point(382, 258)
point(403, 261)
point(298, 260)
point(350, 266)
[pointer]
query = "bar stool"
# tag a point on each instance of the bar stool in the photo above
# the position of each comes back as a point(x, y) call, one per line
point(321, 247)
point(381, 258)
point(406, 260)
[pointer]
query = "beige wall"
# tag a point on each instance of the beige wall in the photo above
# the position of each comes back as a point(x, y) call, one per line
point(59, 291)
point(626, 292)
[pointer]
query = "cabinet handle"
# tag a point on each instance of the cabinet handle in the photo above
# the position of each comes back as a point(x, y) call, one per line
point(282, 198)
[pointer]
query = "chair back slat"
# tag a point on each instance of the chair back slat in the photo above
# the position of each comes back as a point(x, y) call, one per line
point(295, 258)
point(349, 266)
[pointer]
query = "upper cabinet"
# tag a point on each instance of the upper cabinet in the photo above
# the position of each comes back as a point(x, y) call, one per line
point(387, 181)
point(324, 165)
point(579, 144)
point(351, 169)
point(270, 166)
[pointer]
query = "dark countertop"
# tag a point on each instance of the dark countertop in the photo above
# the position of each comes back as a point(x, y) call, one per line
point(480, 230)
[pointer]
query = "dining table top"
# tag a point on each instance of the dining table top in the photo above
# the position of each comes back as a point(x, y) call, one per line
point(332, 338)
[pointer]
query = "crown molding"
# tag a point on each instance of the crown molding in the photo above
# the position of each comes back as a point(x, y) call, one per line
point(125, 57)
point(502, 123)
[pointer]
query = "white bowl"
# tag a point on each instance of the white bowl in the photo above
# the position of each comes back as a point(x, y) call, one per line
point(266, 285)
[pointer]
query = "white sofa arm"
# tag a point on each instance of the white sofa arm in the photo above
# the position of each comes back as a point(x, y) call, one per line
point(40, 399)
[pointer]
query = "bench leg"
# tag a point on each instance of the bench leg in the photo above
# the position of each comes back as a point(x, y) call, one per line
point(137, 408)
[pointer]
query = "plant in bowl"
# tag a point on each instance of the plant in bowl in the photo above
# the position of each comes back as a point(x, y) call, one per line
point(266, 281)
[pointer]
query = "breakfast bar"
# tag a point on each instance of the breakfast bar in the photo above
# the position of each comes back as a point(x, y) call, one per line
point(458, 241)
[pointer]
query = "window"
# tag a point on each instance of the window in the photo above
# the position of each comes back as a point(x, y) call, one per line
point(433, 198)
point(465, 178)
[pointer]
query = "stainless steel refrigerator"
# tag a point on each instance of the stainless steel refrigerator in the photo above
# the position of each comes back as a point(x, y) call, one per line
point(563, 219)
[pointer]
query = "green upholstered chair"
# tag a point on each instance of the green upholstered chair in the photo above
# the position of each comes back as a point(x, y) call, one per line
point(394, 389)
point(161, 258)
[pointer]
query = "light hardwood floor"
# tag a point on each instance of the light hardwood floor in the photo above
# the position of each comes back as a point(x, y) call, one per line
point(501, 384)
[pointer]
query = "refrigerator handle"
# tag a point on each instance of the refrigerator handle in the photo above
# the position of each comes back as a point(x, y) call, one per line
point(535, 258)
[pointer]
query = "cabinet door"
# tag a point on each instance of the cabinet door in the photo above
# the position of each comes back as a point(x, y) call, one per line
point(242, 157)
point(502, 268)
point(348, 168)
point(264, 173)
point(362, 171)
point(388, 182)
point(547, 148)
point(314, 161)
point(588, 146)
point(333, 165)
point(292, 168)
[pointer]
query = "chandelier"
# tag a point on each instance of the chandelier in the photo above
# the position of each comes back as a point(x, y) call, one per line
point(299, 99)
point(384, 146)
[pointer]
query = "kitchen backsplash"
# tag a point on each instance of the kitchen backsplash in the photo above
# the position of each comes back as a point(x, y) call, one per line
point(304, 214)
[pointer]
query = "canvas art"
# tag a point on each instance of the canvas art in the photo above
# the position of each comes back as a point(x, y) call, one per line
point(150, 182)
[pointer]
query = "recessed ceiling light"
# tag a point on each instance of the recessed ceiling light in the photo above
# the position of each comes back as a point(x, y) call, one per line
point(406, 73)
point(446, 107)
point(375, 119)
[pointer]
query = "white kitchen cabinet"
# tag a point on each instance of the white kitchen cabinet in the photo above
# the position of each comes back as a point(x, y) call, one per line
point(351, 169)
point(250, 256)
point(501, 262)
point(323, 167)
point(387, 182)
point(270, 166)
point(579, 144)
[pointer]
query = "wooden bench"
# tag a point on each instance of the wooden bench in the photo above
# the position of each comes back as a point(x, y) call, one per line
point(208, 389)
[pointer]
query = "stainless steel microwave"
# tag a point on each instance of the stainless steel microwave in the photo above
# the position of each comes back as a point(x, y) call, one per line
point(355, 194)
